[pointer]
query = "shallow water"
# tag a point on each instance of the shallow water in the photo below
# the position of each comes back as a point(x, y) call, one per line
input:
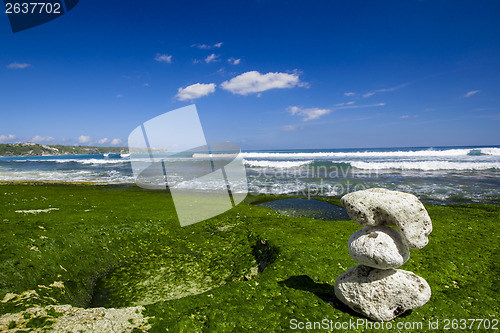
point(314, 209)
point(437, 175)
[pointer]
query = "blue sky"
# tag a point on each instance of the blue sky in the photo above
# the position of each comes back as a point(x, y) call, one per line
point(263, 74)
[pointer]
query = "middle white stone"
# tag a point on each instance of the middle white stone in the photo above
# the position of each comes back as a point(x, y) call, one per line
point(379, 247)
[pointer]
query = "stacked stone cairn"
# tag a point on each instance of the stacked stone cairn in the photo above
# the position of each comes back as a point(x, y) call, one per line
point(376, 289)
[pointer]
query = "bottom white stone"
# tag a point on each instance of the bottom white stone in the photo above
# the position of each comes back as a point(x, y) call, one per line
point(381, 294)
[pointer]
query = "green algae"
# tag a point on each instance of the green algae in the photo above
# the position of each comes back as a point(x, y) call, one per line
point(38, 322)
point(176, 275)
point(248, 269)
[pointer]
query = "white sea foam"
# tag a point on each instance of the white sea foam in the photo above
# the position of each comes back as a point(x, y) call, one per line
point(74, 160)
point(93, 161)
point(490, 151)
point(425, 165)
point(113, 177)
point(275, 172)
point(276, 164)
point(69, 160)
point(201, 155)
point(395, 153)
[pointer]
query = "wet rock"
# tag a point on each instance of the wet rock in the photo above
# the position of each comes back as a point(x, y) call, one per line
point(379, 247)
point(65, 318)
point(374, 207)
point(381, 294)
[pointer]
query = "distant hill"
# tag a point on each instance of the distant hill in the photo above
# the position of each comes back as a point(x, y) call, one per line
point(34, 149)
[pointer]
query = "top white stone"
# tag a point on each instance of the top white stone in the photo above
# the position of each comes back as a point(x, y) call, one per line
point(378, 206)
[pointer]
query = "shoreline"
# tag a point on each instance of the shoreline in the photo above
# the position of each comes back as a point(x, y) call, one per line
point(49, 150)
point(455, 177)
point(28, 149)
point(60, 182)
point(335, 199)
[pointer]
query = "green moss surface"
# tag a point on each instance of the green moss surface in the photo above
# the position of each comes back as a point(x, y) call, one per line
point(249, 269)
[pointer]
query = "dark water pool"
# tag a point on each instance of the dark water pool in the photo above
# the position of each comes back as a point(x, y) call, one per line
point(315, 209)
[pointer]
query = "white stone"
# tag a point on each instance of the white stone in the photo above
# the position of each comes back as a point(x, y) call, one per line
point(379, 206)
point(379, 247)
point(381, 294)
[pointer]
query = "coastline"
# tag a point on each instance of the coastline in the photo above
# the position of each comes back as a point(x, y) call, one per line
point(59, 182)
point(253, 198)
point(33, 149)
point(435, 175)
point(62, 150)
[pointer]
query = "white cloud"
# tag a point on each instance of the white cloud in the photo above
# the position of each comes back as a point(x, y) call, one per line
point(405, 116)
point(196, 90)
point(7, 138)
point(119, 96)
point(206, 46)
point(308, 113)
point(349, 94)
point(254, 82)
point(42, 139)
point(116, 142)
point(234, 61)
point(371, 93)
point(83, 139)
point(17, 65)
point(163, 58)
point(211, 58)
point(344, 104)
point(315, 113)
point(289, 128)
point(471, 93)
point(103, 141)
point(202, 46)
point(351, 106)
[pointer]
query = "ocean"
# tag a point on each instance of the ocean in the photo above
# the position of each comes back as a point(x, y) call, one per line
point(439, 175)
